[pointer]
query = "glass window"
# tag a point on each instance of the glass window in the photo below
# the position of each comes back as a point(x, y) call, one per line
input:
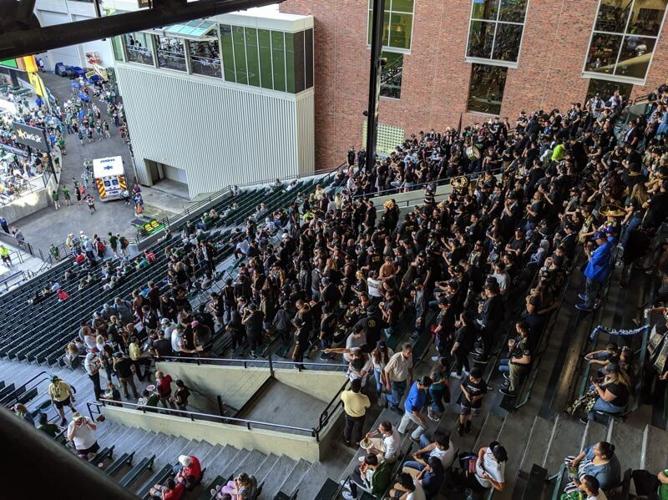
point(485, 9)
point(117, 46)
point(239, 43)
point(228, 52)
point(646, 17)
point(603, 52)
point(170, 52)
point(612, 15)
point(496, 28)
point(507, 44)
point(397, 24)
point(605, 89)
point(138, 46)
point(486, 88)
point(390, 78)
point(264, 43)
point(513, 11)
point(205, 58)
point(252, 57)
point(635, 56)
point(308, 58)
point(278, 51)
point(624, 37)
point(299, 61)
point(481, 38)
point(290, 62)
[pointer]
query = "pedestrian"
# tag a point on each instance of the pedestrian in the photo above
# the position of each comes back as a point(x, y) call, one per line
point(80, 135)
point(397, 374)
point(597, 270)
point(355, 405)
point(91, 204)
point(124, 244)
point(125, 371)
point(92, 365)
point(81, 433)
point(181, 395)
point(164, 388)
point(4, 225)
point(113, 243)
point(67, 196)
point(414, 408)
point(77, 192)
point(55, 197)
point(61, 395)
point(105, 128)
point(4, 255)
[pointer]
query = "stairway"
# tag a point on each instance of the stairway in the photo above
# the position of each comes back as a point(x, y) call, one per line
point(276, 472)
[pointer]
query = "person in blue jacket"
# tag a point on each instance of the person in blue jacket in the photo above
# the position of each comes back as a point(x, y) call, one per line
point(597, 270)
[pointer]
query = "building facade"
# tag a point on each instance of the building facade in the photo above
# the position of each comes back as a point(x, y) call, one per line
point(50, 12)
point(220, 101)
point(452, 59)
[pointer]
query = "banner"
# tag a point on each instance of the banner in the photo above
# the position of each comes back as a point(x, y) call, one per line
point(33, 137)
point(37, 84)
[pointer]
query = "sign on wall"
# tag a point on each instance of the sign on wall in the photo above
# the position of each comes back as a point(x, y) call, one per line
point(33, 137)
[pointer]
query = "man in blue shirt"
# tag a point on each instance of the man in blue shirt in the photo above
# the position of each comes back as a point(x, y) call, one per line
point(597, 270)
point(414, 407)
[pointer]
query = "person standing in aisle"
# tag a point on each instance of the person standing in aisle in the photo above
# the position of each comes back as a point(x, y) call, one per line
point(355, 405)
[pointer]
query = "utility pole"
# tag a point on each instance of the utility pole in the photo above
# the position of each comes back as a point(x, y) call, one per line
point(378, 17)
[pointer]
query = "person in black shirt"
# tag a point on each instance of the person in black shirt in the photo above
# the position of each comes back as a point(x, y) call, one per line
point(252, 319)
point(473, 390)
point(612, 394)
point(463, 343)
point(125, 371)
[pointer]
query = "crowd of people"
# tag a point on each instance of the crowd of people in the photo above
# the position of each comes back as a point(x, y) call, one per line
point(479, 271)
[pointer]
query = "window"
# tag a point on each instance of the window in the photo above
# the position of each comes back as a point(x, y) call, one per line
point(388, 139)
point(623, 39)
point(117, 47)
point(204, 58)
point(605, 89)
point(397, 25)
point(171, 53)
point(268, 59)
point(139, 48)
point(486, 88)
point(390, 78)
point(495, 31)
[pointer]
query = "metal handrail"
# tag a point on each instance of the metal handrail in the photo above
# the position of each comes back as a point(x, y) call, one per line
point(248, 363)
point(422, 185)
point(325, 415)
point(193, 415)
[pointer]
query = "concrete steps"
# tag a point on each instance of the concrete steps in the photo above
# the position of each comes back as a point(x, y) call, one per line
point(294, 478)
point(513, 436)
point(627, 438)
point(566, 440)
point(654, 449)
point(275, 477)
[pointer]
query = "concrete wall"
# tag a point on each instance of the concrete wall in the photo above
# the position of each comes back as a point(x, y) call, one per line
point(220, 133)
point(236, 385)
point(291, 445)
point(28, 204)
point(319, 384)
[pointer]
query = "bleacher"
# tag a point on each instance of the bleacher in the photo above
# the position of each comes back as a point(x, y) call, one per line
point(39, 332)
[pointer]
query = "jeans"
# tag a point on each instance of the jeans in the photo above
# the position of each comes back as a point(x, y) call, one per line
point(378, 379)
point(411, 464)
point(128, 382)
point(408, 418)
point(631, 226)
point(604, 406)
point(397, 392)
point(592, 289)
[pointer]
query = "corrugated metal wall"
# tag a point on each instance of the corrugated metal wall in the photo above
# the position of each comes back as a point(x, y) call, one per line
point(220, 133)
point(306, 132)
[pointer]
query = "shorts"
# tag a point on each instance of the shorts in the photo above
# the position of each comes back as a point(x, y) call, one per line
point(467, 409)
point(92, 449)
point(63, 403)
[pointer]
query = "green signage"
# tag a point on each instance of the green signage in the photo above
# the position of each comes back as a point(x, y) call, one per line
point(9, 63)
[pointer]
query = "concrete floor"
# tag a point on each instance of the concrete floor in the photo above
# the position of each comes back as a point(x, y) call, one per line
point(50, 226)
point(271, 407)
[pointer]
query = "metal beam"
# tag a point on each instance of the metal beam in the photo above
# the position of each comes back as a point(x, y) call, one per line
point(374, 81)
point(33, 41)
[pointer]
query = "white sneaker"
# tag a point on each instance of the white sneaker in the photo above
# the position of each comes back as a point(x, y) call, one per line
point(435, 358)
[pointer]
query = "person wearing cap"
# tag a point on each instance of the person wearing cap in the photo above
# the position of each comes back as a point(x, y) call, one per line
point(355, 405)
point(81, 432)
point(597, 270)
point(190, 473)
point(415, 406)
point(473, 390)
point(61, 395)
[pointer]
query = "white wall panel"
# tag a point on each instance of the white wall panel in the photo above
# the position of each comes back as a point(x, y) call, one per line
point(306, 131)
point(219, 133)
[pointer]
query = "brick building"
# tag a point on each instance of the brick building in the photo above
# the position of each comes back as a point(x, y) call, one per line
point(475, 59)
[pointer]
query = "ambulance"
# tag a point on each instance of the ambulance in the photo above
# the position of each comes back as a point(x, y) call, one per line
point(109, 176)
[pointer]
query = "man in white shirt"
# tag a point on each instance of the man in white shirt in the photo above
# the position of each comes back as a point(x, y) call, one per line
point(390, 442)
point(408, 486)
point(491, 466)
point(92, 365)
point(397, 375)
point(81, 432)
